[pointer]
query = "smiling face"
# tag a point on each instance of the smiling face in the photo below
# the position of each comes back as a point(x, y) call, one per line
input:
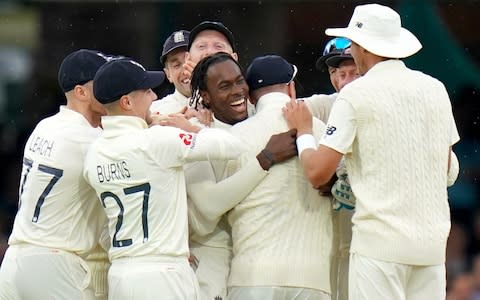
point(227, 92)
point(174, 71)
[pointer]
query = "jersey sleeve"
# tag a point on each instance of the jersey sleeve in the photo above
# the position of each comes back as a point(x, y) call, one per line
point(175, 147)
point(341, 127)
point(213, 198)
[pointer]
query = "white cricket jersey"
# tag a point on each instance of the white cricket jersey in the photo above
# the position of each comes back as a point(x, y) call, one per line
point(395, 127)
point(282, 231)
point(169, 104)
point(57, 207)
point(138, 175)
point(320, 105)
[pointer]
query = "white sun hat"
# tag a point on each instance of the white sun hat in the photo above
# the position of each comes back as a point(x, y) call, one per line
point(378, 29)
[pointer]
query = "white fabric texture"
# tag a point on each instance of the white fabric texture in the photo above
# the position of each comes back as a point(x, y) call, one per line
point(282, 232)
point(396, 134)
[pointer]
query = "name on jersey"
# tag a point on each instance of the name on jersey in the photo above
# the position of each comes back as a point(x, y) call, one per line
point(113, 171)
point(41, 146)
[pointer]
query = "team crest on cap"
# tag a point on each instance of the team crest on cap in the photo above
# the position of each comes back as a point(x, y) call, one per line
point(359, 24)
point(178, 37)
point(137, 64)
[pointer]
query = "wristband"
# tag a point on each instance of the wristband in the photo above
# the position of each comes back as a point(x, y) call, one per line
point(305, 141)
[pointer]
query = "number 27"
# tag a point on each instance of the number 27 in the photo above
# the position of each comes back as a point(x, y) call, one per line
point(145, 188)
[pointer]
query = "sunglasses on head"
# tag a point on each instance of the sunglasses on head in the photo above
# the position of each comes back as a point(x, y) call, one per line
point(339, 43)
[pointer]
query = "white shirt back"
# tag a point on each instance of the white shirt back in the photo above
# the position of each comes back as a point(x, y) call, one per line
point(139, 178)
point(57, 207)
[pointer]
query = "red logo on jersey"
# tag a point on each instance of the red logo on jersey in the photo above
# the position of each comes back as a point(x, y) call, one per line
point(186, 138)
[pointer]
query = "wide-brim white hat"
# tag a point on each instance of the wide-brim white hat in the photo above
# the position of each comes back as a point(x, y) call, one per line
point(378, 29)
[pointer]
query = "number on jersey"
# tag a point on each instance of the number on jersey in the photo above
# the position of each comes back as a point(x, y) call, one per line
point(57, 173)
point(145, 188)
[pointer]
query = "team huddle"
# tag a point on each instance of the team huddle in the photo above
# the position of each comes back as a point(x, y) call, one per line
point(232, 187)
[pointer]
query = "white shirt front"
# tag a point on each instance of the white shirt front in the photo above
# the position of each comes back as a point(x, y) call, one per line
point(57, 207)
point(138, 175)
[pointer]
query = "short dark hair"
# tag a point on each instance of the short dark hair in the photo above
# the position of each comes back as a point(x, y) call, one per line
point(199, 76)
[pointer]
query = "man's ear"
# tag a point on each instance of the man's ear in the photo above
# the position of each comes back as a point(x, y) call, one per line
point(81, 93)
point(125, 103)
point(234, 55)
point(205, 99)
point(291, 90)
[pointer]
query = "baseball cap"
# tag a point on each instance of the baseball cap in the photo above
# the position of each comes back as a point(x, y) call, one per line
point(79, 67)
point(178, 39)
point(269, 70)
point(336, 60)
point(332, 48)
point(119, 77)
point(210, 25)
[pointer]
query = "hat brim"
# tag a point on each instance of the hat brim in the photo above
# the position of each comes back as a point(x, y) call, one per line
point(153, 79)
point(163, 58)
point(211, 26)
point(404, 45)
point(321, 61)
point(336, 60)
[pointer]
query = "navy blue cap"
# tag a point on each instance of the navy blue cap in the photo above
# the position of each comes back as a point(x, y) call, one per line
point(210, 25)
point(332, 48)
point(79, 67)
point(178, 39)
point(269, 70)
point(122, 76)
point(336, 60)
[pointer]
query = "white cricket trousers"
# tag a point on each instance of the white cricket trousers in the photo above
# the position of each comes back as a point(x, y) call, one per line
point(372, 279)
point(275, 293)
point(31, 273)
point(212, 270)
point(152, 278)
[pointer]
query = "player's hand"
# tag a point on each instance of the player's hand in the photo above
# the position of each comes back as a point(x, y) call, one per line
point(204, 116)
point(179, 121)
point(188, 67)
point(298, 116)
point(280, 147)
point(325, 190)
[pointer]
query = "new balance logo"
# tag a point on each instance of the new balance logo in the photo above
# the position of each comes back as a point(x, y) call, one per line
point(330, 130)
point(218, 298)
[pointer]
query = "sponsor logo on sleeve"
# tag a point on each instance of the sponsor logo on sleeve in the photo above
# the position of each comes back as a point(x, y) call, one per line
point(186, 138)
point(330, 130)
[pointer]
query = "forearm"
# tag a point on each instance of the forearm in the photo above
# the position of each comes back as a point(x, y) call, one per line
point(210, 198)
point(214, 144)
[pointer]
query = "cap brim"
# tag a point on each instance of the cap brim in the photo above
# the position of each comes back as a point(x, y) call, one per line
point(405, 45)
point(164, 55)
point(154, 79)
point(336, 60)
point(321, 61)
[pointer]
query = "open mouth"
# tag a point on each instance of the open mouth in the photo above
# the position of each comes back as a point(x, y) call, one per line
point(239, 105)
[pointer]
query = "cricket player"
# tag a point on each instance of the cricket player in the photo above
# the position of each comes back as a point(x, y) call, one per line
point(282, 231)
point(395, 127)
point(137, 172)
point(173, 58)
point(59, 218)
point(219, 81)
